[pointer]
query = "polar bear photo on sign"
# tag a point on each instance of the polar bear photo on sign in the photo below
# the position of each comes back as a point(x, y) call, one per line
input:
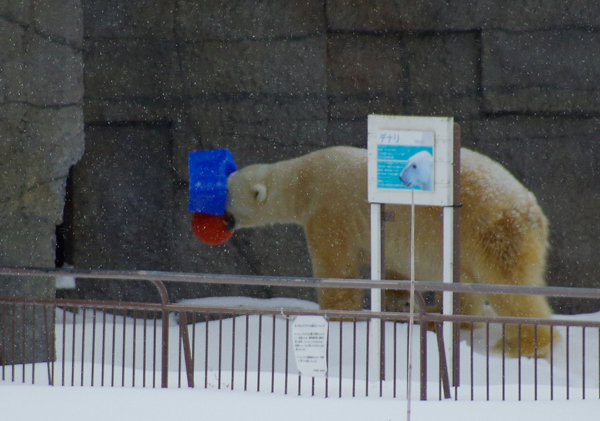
point(418, 171)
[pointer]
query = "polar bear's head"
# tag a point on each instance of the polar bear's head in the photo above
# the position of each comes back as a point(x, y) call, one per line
point(252, 198)
point(418, 171)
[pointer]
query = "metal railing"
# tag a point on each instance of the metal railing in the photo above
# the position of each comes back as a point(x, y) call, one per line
point(111, 343)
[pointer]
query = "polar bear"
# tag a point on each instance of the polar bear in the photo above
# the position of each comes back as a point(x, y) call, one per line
point(504, 236)
point(418, 171)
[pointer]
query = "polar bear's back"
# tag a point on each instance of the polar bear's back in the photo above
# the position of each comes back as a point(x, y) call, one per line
point(338, 172)
point(491, 191)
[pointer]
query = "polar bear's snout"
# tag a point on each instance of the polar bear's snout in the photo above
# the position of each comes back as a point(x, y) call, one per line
point(229, 222)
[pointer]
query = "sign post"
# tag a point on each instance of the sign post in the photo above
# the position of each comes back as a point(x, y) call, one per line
point(411, 161)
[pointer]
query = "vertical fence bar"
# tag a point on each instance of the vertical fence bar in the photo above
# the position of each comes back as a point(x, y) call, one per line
point(73, 348)
point(124, 350)
point(519, 371)
point(354, 358)
point(14, 340)
point(144, 348)
point(206, 351)
point(94, 320)
point(154, 341)
point(33, 338)
point(23, 341)
point(503, 361)
point(64, 346)
point(327, 360)
point(472, 333)
point(487, 360)
point(287, 350)
point(105, 310)
point(423, 365)
point(583, 362)
point(367, 360)
point(82, 344)
point(341, 349)
point(165, 349)
point(4, 342)
point(179, 351)
point(193, 366)
point(551, 365)
point(535, 362)
point(246, 352)
point(273, 356)
point(567, 364)
point(134, 346)
point(220, 345)
point(260, 317)
point(233, 350)
point(113, 351)
point(50, 351)
point(381, 346)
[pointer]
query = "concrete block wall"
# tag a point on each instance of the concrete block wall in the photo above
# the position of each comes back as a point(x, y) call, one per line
point(275, 79)
point(41, 137)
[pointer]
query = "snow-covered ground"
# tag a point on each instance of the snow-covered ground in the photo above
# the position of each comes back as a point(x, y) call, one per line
point(19, 400)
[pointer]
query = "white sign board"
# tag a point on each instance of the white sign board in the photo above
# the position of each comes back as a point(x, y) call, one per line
point(407, 153)
point(309, 334)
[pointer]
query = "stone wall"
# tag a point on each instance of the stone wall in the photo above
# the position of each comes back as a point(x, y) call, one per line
point(41, 137)
point(275, 79)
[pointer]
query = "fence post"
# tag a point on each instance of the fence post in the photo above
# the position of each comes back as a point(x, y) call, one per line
point(164, 297)
point(184, 337)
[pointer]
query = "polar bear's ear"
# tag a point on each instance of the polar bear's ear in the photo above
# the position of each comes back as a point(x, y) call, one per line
point(260, 192)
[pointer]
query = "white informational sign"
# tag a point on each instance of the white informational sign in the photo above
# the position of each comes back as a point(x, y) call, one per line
point(407, 153)
point(309, 334)
point(410, 162)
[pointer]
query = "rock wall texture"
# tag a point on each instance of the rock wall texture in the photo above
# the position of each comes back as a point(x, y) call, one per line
point(275, 79)
point(41, 137)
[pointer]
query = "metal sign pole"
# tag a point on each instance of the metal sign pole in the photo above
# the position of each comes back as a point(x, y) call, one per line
point(376, 270)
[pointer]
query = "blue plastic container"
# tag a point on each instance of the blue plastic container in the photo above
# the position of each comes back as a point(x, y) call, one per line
point(209, 171)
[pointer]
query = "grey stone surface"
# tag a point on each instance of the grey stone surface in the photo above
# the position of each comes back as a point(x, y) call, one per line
point(41, 137)
point(61, 20)
point(38, 71)
point(293, 66)
point(550, 71)
point(461, 15)
point(127, 70)
point(443, 74)
point(249, 19)
point(285, 126)
point(37, 146)
point(125, 19)
point(364, 64)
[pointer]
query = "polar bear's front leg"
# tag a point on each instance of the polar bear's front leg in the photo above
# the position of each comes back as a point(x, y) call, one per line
point(525, 340)
point(337, 298)
point(340, 299)
point(334, 255)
